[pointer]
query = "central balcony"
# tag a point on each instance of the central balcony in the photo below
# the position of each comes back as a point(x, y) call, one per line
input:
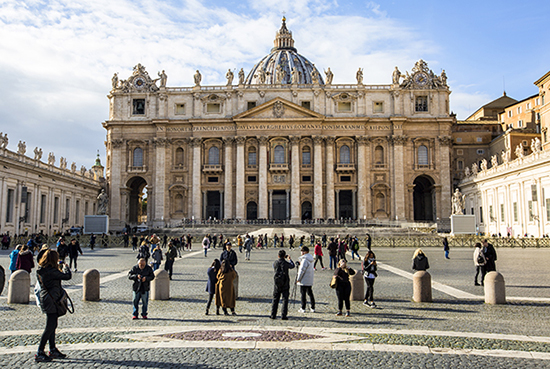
point(345, 167)
point(212, 168)
point(278, 168)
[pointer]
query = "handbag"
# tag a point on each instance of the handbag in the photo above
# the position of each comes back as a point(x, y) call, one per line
point(64, 304)
point(334, 281)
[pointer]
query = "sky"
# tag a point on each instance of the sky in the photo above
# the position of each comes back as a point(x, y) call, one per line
point(57, 57)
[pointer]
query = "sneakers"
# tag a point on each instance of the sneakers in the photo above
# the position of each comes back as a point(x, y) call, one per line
point(41, 357)
point(144, 316)
point(301, 310)
point(476, 284)
point(56, 354)
point(366, 303)
point(373, 305)
point(339, 313)
point(284, 318)
point(348, 314)
point(312, 310)
point(135, 317)
point(324, 268)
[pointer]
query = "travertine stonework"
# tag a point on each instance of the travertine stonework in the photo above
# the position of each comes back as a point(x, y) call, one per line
point(281, 144)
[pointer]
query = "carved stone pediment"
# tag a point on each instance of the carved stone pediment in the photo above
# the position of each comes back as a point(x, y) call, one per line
point(213, 98)
point(278, 108)
point(344, 96)
point(139, 81)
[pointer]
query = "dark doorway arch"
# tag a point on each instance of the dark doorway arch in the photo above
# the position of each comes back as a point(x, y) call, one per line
point(136, 214)
point(251, 211)
point(307, 210)
point(424, 198)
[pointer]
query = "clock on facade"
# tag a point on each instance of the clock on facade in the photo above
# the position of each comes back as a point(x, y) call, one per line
point(421, 79)
point(139, 82)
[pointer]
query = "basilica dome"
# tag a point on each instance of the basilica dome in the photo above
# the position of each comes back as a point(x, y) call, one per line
point(284, 65)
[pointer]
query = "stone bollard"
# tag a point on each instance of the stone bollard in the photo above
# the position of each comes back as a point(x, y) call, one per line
point(160, 286)
point(19, 287)
point(357, 287)
point(90, 285)
point(422, 286)
point(236, 285)
point(495, 289)
point(2, 279)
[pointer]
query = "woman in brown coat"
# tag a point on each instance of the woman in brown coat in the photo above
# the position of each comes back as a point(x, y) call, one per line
point(225, 292)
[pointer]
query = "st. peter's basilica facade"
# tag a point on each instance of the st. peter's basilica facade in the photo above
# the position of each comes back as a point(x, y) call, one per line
point(281, 143)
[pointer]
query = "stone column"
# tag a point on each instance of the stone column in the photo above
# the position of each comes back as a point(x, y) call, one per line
point(204, 200)
point(228, 171)
point(240, 206)
point(196, 144)
point(354, 203)
point(361, 177)
point(444, 207)
point(262, 180)
point(295, 180)
point(318, 177)
point(287, 204)
point(270, 202)
point(330, 177)
point(399, 176)
point(159, 178)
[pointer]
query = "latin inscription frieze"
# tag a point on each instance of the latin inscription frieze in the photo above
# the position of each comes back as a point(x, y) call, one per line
point(282, 127)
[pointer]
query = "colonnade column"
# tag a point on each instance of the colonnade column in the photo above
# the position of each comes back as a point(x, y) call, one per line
point(228, 170)
point(330, 177)
point(337, 204)
point(270, 201)
point(262, 180)
point(295, 179)
point(239, 179)
point(318, 177)
point(361, 177)
point(196, 203)
point(399, 176)
point(287, 203)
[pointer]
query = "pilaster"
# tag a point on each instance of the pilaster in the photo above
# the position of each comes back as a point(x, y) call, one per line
point(295, 179)
point(262, 178)
point(228, 171)
point(240, 206)
point(318, 177)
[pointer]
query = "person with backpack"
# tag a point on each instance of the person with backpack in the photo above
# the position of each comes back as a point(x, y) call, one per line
point(143, 252)
point(14, 255)
point(369, 274)
point(247, 246)
point(354, 248)
point(479, 262)
point(281, 285)
point(157, 257)
point(205, 244)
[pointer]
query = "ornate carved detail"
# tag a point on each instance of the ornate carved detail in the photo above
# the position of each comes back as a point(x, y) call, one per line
point(318, 140)
point(294, 140)
point(344, 96)
point(398, 140)
point(51, 159)
point(160, 142)
point(363, 140)
point(240, 140)
point(139, 81)
point(330, 140)
point(262, 93)
point(278, 109)
point(263, 140)
point(445, 140)
point(213, 98)
point(195, 141)
point(117, 142)
point(279, 178)
point(37, 153)
point(228, 140)
point(421, 77)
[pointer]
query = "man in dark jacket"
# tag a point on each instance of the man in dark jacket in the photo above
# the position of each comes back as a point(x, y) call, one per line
point(490, 256)
point(170, 257)
point(229, 255)
point(332, 249)
point(142, 275)
point(282, 284)
point(74, 249)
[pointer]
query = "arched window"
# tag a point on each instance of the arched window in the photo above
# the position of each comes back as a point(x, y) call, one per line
point(422, 155)
point(379, 155)
point(179, 203)
point(252, 156)
point(306, 155)
point(279, 154)
point(344, 155)
point(214, 156)
point(137, 157)
point(179, 156)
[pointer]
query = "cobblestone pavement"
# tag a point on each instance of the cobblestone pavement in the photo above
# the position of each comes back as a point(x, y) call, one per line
point(451, 331)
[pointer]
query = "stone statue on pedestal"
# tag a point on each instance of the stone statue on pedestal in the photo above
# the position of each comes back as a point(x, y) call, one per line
point(103, 201)
point(51, 159)
point(3, 140)
point(198, 78)
point(21, 148)
point(458, 202)
point(396, 76)
point(359, 76)
point(229, 76)
point(37, 153)
point(163, 78)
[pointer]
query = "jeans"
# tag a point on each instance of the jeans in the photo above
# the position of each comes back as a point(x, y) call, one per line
point(49, 332)
point(144, 297)
point(156, 266)
point(333, 260)
point(446, 254)
point(71, 260)
point(276, 298)
point(480, 268)
point(370, 289)
point(205, 252)
point(309, 291)
point(247, 254)
point(210, 298)
point(354, 252)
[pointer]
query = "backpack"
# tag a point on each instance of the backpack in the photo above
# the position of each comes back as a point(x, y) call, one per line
point(279, 277)
point(481, 258)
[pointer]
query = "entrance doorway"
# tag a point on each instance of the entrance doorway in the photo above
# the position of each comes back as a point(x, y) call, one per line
point(424, 198)
point(251, 211)
point(345, 201)
point(278, 203)
point(137, 203)
point(307, 210)
point(213, 205)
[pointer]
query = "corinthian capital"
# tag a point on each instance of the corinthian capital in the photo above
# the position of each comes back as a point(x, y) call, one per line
point(294, 140)
point(195, 141)
point(362, 140)
point(240, 140)
point(445, 140)
point(263, 140)
point(228, 140)
point(318, 140)
point(399, 140)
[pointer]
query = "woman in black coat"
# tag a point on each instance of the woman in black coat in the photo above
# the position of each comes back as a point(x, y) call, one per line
point(50, 276)
point(211, 284)
point(343, 288)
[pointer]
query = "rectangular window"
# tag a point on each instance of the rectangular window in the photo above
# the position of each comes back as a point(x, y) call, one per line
point(252, 158)
point(76, 212)
point(86, 208)
point(56, 210)
point(502, 219)
point(530, 207)
point(528, 106)
point(472, 211)
point(306, 157)
point(213, 108)
point(460, 152)
point(515, 206)
point(306, 104)
point(510, 113)
point(421, 103)
point(480, 151)
point(520, 123)
point(481, 214)
point(251, 179)
point(250, 105)
point(537, 101)
point(378, 107)
point(519, 109)
point(306, 178)
point(213, 179)
point(344, 106)
point(138, 106)
point(9, 209)
point(534, 195)
point(460, 165)
point(180, 109)
point(43, 209)
point(345, 178)
point(459, 139)
point(479, 139)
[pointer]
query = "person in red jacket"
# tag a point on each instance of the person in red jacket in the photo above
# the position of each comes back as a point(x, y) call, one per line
point(318, 252)
point(25, 260)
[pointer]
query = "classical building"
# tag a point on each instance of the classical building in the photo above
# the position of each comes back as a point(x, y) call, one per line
point(282, 143)
point(510, 193)
point(38, 196)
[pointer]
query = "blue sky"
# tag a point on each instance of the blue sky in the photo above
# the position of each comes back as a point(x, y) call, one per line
point(57, 57)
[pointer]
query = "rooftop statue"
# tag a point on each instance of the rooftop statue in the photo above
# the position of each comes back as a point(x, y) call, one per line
point(396, 76)
point(494, 161)
point(359, 76)
point(329, 75)
point(114, 81)
point(483, 165)
point(21, 148)
point(241, 77)
point(37, 153)
point(229, 76)
point(3, 140)
point(198, 78)
point(519, 150)
point(51, 159)
point(163, 78)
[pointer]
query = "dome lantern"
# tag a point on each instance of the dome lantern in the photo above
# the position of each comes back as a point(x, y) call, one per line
point(283, 39)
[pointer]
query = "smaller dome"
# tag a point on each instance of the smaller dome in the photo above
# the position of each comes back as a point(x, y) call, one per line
point(284, 65)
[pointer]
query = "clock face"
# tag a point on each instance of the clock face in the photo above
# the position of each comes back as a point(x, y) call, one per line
point(139, 82)
point(421, 78)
